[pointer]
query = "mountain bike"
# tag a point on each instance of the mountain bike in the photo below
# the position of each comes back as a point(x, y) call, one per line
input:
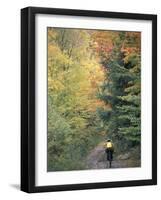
point(109, 157)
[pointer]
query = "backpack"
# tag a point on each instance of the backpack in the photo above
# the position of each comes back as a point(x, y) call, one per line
point(109, 145)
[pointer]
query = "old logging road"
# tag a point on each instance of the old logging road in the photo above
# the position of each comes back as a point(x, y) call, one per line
point(97, 159)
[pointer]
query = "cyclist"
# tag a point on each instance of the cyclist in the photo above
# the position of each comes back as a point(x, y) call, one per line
point(109, 149)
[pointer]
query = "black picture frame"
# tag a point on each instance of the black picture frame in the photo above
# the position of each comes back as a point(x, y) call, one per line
point(28, 98)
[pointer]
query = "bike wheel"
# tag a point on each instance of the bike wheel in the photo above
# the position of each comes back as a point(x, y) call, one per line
point(110, 164)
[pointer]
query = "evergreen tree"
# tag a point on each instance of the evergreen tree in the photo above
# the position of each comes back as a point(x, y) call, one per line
point(121, 91)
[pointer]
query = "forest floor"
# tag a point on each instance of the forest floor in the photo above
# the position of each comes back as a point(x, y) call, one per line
point(96, 159)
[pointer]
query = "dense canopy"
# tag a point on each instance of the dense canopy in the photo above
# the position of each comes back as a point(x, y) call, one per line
point(94, 92)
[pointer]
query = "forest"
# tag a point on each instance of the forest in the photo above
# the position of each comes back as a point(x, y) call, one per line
point(94, 93)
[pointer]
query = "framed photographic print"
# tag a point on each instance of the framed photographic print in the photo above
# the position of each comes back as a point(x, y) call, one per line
point(88, 99)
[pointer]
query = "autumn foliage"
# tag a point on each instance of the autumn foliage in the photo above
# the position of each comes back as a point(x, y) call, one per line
point(93, 92)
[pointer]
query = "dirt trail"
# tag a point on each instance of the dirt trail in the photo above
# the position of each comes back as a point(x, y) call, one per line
point(97, 159)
